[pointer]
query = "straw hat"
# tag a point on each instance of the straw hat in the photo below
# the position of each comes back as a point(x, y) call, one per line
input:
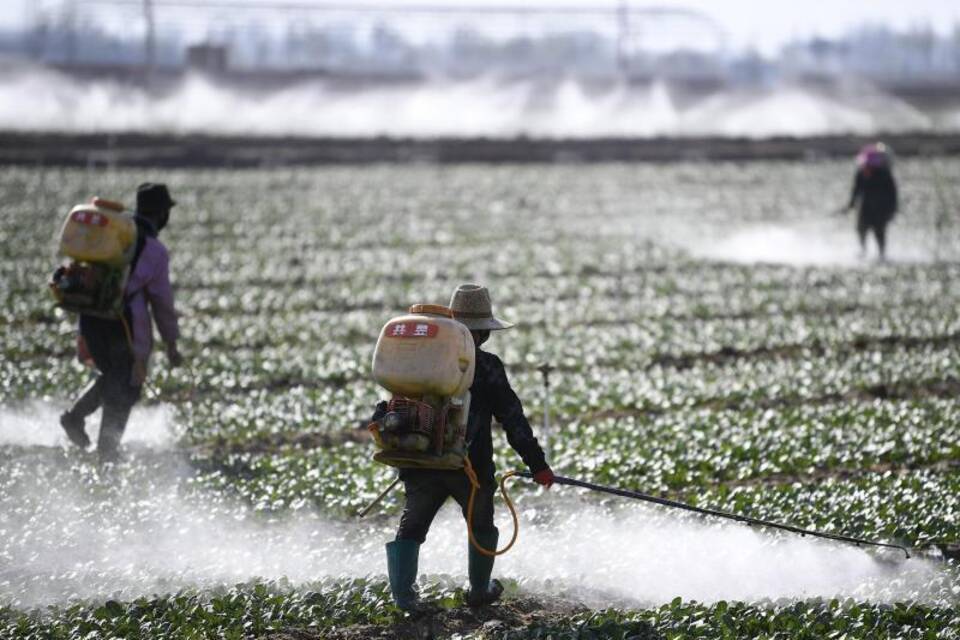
point(471, 306)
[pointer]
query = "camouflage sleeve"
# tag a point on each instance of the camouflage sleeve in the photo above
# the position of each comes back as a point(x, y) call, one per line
point(509, 412)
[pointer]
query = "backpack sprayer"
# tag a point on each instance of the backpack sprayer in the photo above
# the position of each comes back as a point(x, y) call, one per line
point(98, 240)
point(426, 359)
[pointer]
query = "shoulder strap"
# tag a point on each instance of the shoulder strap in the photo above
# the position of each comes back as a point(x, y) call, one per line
point(142, 233)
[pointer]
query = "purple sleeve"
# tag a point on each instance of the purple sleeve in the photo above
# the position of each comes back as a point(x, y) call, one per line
point(160, 296)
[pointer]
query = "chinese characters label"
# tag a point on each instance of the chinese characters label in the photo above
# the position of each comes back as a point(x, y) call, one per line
point(412, 330)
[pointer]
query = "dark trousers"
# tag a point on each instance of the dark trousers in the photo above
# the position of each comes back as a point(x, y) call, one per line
point(427, 490)
point(111, 389)
point(878, 225)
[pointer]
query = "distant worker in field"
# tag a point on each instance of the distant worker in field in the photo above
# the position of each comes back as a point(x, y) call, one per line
point(876, 192)
point(120, 348)
point(490, 395)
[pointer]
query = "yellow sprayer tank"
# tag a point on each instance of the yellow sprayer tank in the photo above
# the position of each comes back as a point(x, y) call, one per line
point(99, 232)
point(424, 353)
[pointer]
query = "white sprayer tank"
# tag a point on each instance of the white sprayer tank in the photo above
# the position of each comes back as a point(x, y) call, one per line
point(424, 353)
point(99, 232)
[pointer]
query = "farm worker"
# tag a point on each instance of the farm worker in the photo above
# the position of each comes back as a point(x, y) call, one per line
point(876, 191)
point(427, 489)
point(122, 361)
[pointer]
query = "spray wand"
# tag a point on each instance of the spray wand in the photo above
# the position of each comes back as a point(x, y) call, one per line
point(666, 502)
point(636, 495)
point(545, 371)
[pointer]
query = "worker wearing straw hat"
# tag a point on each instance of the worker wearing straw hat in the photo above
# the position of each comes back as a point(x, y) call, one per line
point(427, 489)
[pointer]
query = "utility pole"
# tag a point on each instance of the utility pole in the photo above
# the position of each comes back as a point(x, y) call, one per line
point(70, 20)
point(149, 41)
point(32, 31)
point(623, 37)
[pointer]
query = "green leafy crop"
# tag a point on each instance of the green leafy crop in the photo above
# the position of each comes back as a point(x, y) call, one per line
point(823, 395)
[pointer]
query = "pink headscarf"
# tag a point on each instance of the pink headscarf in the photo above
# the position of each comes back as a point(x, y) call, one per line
point(874, 156)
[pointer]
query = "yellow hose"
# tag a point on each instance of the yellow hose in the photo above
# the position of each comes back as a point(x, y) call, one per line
point(474, 485)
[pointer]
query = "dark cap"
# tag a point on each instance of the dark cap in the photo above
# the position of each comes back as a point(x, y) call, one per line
point(153, 196)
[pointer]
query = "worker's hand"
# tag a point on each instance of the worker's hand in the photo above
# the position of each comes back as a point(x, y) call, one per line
point(173, 355)
point(544, 477)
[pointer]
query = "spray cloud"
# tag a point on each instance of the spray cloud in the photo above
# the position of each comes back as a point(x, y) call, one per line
point(485, 106)
point(69, 533)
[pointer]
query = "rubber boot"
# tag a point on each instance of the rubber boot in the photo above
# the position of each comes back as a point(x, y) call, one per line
point(112, 424)
point(483, 590)
point(73, 426)
point(402, 559)
point(73, 420)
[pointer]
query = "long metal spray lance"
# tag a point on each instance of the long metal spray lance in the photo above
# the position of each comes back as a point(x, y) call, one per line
point(636, 495)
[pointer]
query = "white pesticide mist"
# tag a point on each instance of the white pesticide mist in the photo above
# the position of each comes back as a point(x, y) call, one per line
point(792, 245)
point(782, 245)
point(39, 99)
point(38, 424)
point(645, 554)
point(812, 241)
point(636, 554)
point(69, 531)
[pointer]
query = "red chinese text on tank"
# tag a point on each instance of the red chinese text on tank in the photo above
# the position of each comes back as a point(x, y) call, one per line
point(90, 217)
point(412, 330)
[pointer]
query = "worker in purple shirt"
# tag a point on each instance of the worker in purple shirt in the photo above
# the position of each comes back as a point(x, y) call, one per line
point(122, 360)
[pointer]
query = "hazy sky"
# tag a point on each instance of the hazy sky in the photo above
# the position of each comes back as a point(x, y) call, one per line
point(764, 24)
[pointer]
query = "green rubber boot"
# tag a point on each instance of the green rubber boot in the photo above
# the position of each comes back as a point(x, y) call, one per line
point(402, 559)
point(483, 590)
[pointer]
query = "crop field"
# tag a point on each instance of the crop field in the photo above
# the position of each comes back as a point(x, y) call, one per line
point(716, 338)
